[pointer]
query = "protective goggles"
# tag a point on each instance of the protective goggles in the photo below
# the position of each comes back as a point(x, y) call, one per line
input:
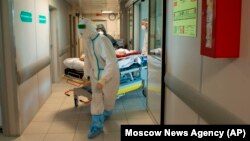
point(82, 26)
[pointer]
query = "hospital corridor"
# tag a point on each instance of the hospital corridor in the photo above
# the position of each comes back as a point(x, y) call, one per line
point(78, 70)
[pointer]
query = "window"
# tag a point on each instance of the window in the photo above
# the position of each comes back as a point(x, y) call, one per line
point(155, 28)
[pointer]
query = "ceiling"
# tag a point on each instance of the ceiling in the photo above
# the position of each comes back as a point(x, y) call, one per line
point(95, 6)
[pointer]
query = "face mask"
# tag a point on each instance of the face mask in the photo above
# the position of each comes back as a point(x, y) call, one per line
point(100, 32)
point(143, 27)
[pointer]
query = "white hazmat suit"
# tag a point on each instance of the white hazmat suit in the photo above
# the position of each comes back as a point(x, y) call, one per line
point(145, 42)
point(101, 65)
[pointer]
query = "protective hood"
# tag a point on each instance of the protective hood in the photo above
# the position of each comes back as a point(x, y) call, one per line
point(86, 28)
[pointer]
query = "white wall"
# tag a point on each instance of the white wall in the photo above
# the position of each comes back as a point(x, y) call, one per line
point(27, 91)
point(32, 47)
point(24, 44)
point(43, 51)
point(184, 62)
point(225, 81)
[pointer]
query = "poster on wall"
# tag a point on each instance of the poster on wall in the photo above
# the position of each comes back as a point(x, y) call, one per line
point(185, 18)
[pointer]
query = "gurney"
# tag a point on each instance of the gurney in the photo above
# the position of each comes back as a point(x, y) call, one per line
point(84, 88)
point(130, 80)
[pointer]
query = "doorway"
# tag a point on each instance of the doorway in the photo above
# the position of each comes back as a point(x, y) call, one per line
point(75, 43)
point(73, 40)
point(156, 62)
point(53, 45)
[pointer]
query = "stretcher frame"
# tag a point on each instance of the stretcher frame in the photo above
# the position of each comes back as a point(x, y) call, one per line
point(132, 85)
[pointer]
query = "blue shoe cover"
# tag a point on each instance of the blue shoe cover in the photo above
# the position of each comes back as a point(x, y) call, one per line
point(96, 127)
point(107, 114)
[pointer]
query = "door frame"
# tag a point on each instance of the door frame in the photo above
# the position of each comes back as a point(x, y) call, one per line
point(136, 26)
point(54, 53)
point(164, 45)
point(2, 86)
point(73, 35)
point(9, 97)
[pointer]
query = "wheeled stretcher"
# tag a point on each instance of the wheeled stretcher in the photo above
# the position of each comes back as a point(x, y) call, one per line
point(130, 80)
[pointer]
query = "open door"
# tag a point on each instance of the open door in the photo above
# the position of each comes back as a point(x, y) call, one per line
point(156, 62)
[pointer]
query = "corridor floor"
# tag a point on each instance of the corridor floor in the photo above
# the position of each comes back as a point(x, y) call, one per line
point(59, 120)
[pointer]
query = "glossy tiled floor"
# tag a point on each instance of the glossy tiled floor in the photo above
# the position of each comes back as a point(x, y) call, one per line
point(59, 120)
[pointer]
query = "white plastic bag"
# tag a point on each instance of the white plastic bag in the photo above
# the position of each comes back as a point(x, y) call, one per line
point(74, 63)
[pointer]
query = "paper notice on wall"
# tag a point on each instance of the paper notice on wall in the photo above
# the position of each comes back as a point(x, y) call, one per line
point(185, 17)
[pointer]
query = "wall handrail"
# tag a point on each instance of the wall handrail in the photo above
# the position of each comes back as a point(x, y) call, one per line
point(27, 72)
point(209, 110)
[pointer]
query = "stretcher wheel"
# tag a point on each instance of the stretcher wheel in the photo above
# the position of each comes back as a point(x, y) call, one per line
point(144, 92)
point(76, 102)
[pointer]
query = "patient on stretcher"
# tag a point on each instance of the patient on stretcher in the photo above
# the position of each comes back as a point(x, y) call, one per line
point(125, 52)
point(126, 58)
point(74, 63)
point(129, 62)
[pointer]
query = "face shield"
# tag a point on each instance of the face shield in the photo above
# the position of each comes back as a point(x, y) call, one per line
point(86, 29)
point(81, 27)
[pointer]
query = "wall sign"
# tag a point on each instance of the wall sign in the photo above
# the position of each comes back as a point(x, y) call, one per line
point(42, 19)
point(26, 16)
point(185, 17)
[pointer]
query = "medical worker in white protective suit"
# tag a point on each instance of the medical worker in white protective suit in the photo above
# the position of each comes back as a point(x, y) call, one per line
point(144, 26)
point(101, 65)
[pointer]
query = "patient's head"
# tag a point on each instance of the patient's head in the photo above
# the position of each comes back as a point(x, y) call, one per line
point(121, 51)
point(82, 57)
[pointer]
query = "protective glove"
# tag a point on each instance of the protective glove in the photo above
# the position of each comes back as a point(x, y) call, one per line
point(100, 84)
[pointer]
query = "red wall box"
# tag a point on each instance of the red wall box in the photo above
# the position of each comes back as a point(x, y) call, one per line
point(221, 22)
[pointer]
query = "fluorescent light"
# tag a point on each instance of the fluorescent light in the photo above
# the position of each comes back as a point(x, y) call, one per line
point(107, 12)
